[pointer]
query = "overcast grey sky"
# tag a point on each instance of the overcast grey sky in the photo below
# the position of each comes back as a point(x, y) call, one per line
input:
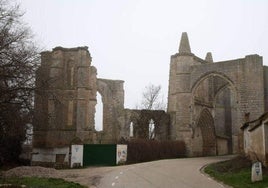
point(132, 40)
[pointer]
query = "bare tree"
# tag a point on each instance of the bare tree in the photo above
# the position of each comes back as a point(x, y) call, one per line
point(18, 62)
point(152, 99)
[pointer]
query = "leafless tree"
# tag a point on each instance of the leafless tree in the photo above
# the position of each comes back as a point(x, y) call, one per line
point(18, 62)
point(152, 99)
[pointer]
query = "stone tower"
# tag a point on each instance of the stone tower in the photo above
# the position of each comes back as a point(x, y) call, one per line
point(179, 94)
point(64, 102)
point(209, 101)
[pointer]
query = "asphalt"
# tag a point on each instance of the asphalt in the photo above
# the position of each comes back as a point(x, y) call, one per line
point(179, 173)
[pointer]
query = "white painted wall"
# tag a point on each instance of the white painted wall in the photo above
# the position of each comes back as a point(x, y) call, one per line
point(49, 155)
point(121, 153)
point(77, 155)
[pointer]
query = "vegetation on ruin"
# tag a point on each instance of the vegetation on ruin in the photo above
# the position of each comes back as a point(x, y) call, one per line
point(236, 173)
point(35, 182)
point(152, 98)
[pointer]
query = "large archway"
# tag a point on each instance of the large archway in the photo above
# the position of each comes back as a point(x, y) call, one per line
point(223, 88)
point(217, 94)
point(206, 126)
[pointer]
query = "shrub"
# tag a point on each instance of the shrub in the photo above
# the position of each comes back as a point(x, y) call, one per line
point(140, 150)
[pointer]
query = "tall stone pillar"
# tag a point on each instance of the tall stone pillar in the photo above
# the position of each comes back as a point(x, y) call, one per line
point(179, 95)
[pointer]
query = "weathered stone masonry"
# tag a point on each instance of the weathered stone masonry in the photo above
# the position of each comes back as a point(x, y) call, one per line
point(207, 104)
point(140, 120)
point(65, 107)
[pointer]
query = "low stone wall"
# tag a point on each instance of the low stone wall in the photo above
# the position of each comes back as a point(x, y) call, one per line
point(50, 157)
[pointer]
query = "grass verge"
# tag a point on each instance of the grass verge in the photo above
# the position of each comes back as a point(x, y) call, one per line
point(34, 182)
point(236, 173)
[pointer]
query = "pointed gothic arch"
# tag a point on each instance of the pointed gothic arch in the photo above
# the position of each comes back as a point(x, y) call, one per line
point(206, 125)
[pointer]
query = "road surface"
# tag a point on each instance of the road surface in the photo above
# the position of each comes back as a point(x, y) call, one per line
point(179, 173)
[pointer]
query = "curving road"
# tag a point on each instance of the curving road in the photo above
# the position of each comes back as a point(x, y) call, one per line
point(179, 173)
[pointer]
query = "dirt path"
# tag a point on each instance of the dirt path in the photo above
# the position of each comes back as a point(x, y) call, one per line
point(88, 176)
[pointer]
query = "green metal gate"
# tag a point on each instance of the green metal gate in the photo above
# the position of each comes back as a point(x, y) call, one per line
point(99, 154)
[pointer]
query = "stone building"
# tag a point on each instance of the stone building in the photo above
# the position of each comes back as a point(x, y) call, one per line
point(255, 139)
point(209, 101)
point(65, 104)
point(65, 101)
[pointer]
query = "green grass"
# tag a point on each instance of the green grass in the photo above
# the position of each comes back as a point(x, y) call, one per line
point(34, 182)
point(236, 174)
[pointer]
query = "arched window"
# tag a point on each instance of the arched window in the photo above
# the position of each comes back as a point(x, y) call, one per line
point(151, 129)
point(131, 130)
point(99, 114)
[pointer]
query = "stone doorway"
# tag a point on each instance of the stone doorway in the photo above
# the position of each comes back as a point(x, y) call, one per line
point(207, 129)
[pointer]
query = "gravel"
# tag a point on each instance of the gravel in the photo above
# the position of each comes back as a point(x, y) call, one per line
point(33, 171)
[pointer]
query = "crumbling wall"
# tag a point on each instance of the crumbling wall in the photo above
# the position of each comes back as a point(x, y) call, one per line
point(65, 102)
point(112, 92)
point(230, 89)
point(65, 98)
point(140, 120)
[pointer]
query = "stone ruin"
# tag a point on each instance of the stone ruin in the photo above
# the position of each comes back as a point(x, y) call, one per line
point(207, 104)
point(65, 102)
point(209, 101)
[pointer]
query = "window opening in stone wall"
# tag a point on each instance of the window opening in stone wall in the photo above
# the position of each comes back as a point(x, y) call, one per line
point(28, 134)
point(131, 130)
point(151, 129)
point(99, 113)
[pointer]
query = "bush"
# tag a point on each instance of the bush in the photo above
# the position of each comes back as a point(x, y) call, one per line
point(140, 150)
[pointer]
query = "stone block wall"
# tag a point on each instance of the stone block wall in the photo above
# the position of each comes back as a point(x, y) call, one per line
point(233, 91)
point(265, 79)
point(65, 102)
point(207, 103)
point(140, 120)
point(112, 92)
point(65, 93)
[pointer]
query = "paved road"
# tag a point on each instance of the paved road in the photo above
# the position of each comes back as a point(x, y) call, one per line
point(179, 173)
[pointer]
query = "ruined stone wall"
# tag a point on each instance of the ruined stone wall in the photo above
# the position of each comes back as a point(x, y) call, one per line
point(246, 77)
point(265, 78)
point(140, 120)
point(207, 103)
point(65, 101)
point(179, 96)
point(112, 92)
point(230, 90)
point(65, 98)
